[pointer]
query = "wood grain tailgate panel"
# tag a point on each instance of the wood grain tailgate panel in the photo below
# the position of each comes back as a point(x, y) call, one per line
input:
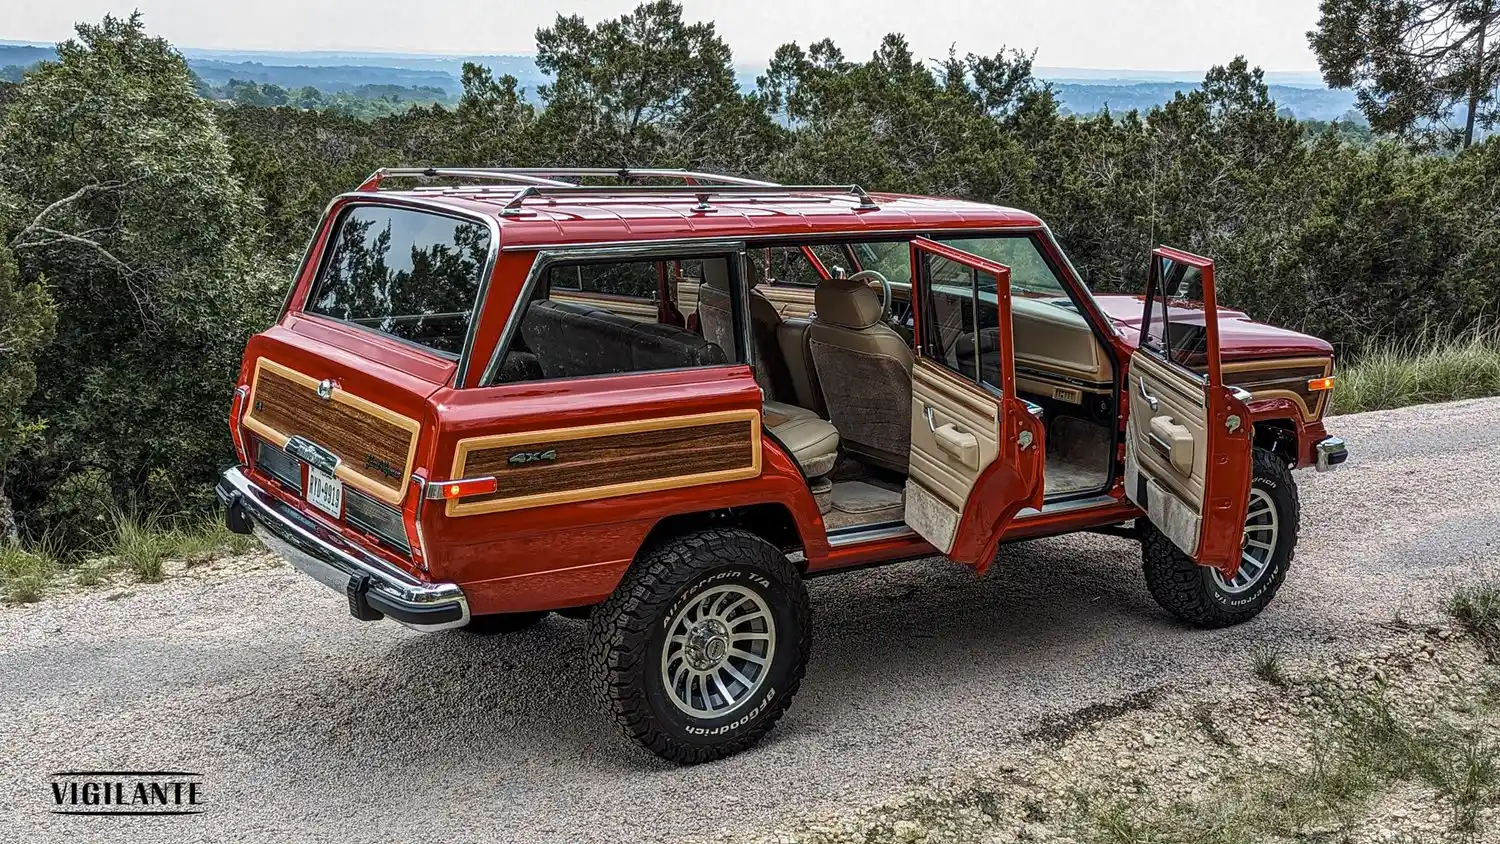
point(603, 461)
point(374, 445)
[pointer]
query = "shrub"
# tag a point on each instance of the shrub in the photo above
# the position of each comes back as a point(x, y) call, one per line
point(147, 241)
point(25, 573)
point(1432, 368)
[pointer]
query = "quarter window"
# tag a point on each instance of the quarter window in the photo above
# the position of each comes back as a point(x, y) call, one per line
point(409, 274)
point(588, 318)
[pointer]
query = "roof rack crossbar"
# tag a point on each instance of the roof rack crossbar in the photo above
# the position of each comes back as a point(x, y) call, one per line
point(483, 173)
point(627, 173)
point(701, 192)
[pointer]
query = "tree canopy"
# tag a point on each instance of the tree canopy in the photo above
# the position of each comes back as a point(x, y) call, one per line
point(1414, 63)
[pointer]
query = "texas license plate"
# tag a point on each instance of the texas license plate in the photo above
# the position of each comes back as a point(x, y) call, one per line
point(325, 492)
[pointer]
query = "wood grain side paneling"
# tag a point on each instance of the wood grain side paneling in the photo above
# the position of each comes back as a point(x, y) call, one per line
point(1283, 379)
point(605, 461)
point(375, 446)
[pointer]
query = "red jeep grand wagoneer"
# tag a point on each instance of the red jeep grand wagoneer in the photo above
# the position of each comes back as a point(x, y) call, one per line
point(660, 400)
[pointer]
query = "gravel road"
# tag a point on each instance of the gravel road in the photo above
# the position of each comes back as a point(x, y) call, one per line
point(307, 725)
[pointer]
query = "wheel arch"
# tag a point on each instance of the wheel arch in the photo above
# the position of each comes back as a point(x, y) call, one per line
point(1280, 435)
point(771, 521)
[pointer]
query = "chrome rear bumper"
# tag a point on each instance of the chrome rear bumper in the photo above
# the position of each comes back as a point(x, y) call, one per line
point(1331, 452)
point(374, 587)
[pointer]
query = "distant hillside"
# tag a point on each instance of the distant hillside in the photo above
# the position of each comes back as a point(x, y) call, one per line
point(1120, 96)
point(1081, 90)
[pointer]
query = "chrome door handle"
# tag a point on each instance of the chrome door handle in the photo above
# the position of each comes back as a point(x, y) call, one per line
point(1151, 402)
point(927, 413)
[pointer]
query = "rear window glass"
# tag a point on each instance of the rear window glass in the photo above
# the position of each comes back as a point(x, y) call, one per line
point(406, 273)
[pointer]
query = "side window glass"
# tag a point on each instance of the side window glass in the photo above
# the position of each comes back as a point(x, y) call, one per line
point(782, 265)
point(960, 320)
point(833, 258)
point(606, 318)
point(1174, 327)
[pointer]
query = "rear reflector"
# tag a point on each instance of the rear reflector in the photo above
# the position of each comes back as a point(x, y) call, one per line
point(461, 488)
point(1317, 384)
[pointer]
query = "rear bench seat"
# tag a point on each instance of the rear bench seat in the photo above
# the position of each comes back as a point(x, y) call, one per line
point(573, 340)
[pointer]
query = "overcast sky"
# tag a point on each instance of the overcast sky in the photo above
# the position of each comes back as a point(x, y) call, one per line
point(1128, 34)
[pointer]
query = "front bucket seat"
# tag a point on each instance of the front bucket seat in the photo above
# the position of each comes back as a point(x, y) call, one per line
point(864, 370)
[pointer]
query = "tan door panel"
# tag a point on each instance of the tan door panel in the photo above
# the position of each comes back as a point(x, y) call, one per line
point(955, 436)
point(1168, 444)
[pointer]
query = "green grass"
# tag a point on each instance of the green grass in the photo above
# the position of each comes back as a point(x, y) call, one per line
point(143, 543)
point(1437, 368)
point(1478, 610)
point(25, 573)
point(1266, 665)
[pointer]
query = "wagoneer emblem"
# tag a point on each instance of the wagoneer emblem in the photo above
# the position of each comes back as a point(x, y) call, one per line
point(521, 458)
point(325, 389)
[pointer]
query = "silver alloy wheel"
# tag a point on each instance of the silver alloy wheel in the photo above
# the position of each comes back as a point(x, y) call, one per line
point(718, 651)
point(1262, 530)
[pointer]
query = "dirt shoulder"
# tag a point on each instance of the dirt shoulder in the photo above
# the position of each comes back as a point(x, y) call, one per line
point(1397, 743)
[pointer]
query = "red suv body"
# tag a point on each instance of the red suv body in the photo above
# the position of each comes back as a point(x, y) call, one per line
point(539, 393)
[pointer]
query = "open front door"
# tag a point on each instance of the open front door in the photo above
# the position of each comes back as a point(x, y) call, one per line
point(1188, 437)
point(976, 447)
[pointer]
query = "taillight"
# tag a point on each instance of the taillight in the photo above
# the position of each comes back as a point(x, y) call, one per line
point(449, 490)
point(236, 419)
point(411, 517)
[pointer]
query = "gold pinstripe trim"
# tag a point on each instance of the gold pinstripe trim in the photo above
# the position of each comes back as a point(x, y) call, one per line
point(468, 446)
point(1309, 414)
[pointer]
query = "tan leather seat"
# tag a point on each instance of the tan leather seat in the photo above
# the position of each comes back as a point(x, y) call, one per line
point(796, 350)
point(813, 442)
point(864, 372)
point(717, 320)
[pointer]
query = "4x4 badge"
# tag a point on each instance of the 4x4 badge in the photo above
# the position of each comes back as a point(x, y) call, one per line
point(521, 458)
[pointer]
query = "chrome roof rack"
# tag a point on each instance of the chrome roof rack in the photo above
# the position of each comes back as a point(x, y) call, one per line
point(481, 173)
point(515, 207)
point(551, 182)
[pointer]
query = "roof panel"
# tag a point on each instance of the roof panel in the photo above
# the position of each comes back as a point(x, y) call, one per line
point(605, 218)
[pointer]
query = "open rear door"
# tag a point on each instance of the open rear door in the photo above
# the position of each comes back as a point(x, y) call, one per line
point(1188, 438)
point(976, 447)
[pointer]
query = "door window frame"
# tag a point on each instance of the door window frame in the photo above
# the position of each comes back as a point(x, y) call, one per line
point(733, 251)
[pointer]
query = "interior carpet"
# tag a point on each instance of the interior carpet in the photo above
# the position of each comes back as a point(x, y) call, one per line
point(1078, 456)
point(860, 503)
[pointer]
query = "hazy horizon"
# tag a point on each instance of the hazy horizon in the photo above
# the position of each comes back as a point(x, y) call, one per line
point(1143, 36)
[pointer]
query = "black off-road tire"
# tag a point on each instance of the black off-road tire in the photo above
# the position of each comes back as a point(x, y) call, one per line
point(495, 625)
point(1190, 592)
point(628, 632)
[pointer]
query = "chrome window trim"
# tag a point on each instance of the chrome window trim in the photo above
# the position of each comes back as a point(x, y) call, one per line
point(758, 240)
point(546, 257)
point(356, 199)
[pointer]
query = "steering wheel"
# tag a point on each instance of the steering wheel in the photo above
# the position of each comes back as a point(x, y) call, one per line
point(886, 297)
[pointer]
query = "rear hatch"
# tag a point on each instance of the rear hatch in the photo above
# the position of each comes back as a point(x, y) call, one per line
point(339, 431)
point(332, 406)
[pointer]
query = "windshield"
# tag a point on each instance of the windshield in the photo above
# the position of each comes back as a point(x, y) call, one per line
point(1030, 275)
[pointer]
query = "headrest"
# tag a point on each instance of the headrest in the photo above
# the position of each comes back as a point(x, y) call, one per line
point(716, 273)
point(847, 303)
